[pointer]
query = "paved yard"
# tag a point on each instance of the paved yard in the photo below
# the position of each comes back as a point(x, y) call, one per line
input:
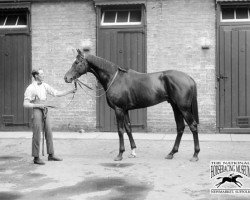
point(89, 172)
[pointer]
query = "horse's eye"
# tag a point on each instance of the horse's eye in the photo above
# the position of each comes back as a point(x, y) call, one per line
point(76, 62)
point(78, 67)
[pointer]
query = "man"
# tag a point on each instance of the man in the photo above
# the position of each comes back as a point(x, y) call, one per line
point(35, 97)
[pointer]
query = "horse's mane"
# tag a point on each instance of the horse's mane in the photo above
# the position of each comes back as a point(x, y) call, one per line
point(102, 63)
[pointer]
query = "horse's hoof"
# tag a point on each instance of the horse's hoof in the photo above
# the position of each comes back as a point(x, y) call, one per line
point(169, 156)
point(132, 156)
point(118, 158)
point(194, 159)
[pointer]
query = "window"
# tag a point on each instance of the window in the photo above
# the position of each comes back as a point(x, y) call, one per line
point(234, 14)
point(227, 13)
point(121, 17)
point(241, 13)
point(13, 19)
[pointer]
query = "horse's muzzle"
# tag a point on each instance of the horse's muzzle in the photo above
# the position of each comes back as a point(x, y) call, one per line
point(68, 80)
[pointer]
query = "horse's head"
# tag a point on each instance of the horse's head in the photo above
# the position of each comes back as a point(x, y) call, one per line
point(79, 67)
point(238, 176)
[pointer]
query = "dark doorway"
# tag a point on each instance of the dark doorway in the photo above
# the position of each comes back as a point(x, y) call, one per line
point(233, 73)
point(15, 59)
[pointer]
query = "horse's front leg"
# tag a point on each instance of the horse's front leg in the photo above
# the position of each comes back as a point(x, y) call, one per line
point(128, 128)
point(120, 127)
point(238, 184)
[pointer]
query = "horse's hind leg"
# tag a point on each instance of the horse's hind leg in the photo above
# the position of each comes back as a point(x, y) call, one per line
point(180, 129)
point(128, 129)
point(218, 185)
point(120, 126)
point(193, 127)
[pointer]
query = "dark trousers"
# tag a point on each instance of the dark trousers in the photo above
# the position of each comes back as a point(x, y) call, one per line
point(37, 128)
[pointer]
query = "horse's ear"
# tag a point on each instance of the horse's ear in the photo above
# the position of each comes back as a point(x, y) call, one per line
point(85, 53)
point(78, 51)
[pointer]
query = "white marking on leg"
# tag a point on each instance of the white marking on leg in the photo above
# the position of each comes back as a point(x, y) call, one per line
point(133, 154)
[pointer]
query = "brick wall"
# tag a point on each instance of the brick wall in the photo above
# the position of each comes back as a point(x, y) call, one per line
point(56, 27)
point(175, 31)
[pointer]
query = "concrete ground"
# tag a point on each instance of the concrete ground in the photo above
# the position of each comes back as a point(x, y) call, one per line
point(89, 172)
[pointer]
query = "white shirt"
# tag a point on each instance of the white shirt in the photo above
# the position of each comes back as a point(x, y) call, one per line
point(39, 92)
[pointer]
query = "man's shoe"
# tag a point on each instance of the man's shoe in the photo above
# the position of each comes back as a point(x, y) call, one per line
point(54, 158)
point(38, 161)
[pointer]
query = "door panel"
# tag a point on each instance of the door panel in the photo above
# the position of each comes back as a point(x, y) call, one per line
point(127, 49)
point(234, 74)
point(14, 78)
point(107, 45)
point(130, 47)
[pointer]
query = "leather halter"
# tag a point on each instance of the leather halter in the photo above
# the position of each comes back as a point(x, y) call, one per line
point(80, 83)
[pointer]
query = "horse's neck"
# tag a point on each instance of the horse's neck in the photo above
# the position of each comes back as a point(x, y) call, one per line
point(103, 69)
point(104, 76)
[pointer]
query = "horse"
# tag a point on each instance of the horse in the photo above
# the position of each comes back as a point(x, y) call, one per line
point(230, 178)
point(127, 90)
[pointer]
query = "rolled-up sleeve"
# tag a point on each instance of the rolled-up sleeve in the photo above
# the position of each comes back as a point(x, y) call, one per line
point(50, 90)
point(28, 95)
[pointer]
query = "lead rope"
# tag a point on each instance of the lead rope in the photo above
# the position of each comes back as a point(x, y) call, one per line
point(61, 107)
point(81, 83)
point(45, 111)
point(97, 96)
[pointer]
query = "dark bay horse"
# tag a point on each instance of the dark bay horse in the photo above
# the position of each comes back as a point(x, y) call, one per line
point(127, 90)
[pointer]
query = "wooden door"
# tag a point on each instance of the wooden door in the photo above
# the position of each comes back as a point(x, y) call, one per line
point(14, 78)
point(234, 75)
point(125, 47)
point(131, 55)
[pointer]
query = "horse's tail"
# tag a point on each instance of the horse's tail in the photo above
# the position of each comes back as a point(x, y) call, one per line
point(194, 105)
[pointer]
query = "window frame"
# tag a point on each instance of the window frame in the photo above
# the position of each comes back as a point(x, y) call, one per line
point(24, 7)
point(16, 26)
point(115, 23)
point(235, 19)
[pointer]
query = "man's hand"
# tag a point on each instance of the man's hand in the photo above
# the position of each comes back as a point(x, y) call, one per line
point(66, 92)
point(28, 104)
point(73, 91)
point(40, 106)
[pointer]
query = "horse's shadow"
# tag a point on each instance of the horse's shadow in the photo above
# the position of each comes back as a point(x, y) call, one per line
point(231, 178)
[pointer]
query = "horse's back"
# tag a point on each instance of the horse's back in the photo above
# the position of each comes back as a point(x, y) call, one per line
point(175, 83)
point(137, 90)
